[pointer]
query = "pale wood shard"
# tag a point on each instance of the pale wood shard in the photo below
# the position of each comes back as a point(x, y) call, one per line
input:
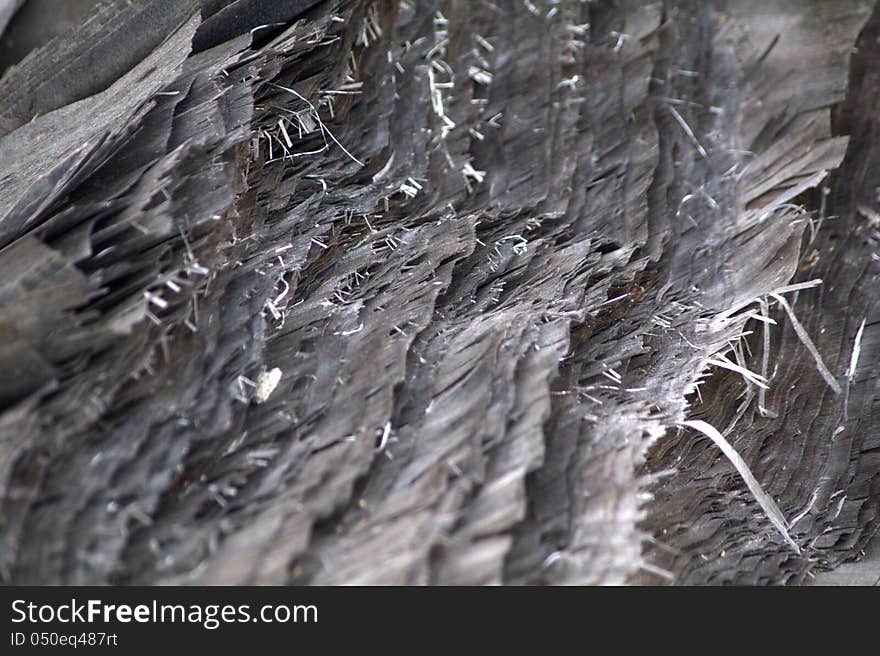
point(499, 252)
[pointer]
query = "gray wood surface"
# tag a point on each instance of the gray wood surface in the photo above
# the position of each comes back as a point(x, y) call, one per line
point(497, 252)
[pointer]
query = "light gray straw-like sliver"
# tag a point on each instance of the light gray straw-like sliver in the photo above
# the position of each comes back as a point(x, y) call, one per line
point(765, 359)
point(857, 349)
point(324, 128)
point(750, 376)
point(808, 343)
point(689, 132)
point(768, 505)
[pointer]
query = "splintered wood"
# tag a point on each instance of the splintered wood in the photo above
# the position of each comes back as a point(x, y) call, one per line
point(421, 292)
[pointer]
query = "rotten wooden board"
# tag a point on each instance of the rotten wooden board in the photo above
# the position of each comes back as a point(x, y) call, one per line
point(494, 251)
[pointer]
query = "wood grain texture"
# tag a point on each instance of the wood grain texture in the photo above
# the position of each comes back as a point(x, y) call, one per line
point(492, 248)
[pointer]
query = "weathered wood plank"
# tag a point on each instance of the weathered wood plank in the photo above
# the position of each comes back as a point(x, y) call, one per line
point(498, 253)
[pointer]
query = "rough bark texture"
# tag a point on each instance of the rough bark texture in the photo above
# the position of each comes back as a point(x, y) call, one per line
point(498, 252)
